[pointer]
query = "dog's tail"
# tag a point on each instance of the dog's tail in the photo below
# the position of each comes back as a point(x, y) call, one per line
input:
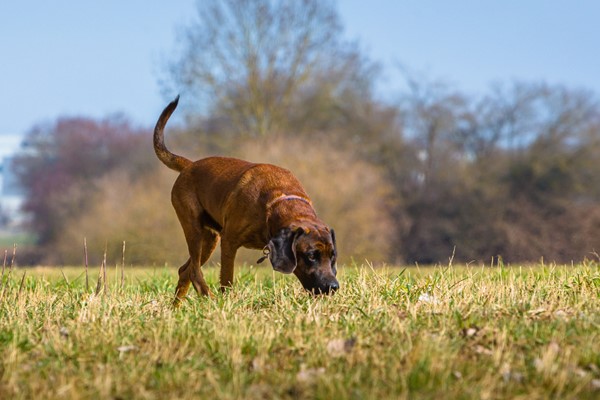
point(173, 161)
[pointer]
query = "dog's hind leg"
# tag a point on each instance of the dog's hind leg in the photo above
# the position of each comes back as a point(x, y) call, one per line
point(194, 222)
point(195, 270)
point(191, 271)
point(210, 239)
point(208, 242)
point(183, 285)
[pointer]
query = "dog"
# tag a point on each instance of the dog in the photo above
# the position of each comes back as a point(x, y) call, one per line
point(257, 206)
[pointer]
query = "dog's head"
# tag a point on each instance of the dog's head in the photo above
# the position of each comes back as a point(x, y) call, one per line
point(310, 253)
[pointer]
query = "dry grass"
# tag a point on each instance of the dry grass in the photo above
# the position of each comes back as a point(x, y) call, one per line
point(454, 332)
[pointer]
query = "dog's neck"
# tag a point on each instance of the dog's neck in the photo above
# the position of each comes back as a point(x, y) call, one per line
point(281, 209)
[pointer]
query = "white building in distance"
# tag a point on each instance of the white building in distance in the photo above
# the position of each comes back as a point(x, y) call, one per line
point(11, 193)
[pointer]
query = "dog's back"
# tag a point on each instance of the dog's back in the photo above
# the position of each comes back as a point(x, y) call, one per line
point(216, 182)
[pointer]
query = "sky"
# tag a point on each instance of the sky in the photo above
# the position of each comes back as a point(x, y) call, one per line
point(96, 58)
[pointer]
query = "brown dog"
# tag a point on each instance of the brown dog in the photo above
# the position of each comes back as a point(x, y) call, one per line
point(257, 206)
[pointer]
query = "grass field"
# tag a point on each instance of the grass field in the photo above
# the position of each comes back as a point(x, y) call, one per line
point(445, 332)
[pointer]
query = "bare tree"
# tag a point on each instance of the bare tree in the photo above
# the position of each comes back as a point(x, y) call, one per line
point(246, 60)
point(433, 115)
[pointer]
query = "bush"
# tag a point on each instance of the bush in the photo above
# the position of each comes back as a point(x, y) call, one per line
point(138, 212)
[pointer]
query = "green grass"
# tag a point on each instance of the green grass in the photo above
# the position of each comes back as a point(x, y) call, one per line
point(7, 240)
point(455, 332)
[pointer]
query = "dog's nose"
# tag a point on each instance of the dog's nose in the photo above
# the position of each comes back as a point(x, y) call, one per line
point(333, 286)
point(325, 288)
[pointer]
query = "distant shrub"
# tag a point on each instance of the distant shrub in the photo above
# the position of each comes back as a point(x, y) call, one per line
point(138, 212)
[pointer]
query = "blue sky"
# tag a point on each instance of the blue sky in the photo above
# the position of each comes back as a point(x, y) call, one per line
point(94, 58)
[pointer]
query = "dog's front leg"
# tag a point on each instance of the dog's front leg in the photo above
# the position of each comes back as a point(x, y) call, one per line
point(228, 252)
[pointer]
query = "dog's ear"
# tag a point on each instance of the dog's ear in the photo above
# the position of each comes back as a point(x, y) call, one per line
point(333, 238)
point(282, 250)
point(334, 257)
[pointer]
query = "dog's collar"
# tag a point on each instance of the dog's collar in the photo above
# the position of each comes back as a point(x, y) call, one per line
point(284, 197)
point(278, 199)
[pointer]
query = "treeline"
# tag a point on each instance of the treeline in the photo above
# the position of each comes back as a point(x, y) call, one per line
point(438, 173)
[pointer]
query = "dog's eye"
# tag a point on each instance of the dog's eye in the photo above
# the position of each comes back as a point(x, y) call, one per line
point(312, 256)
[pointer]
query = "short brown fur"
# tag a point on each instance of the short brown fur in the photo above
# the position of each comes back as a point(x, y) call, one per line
point(257, 206)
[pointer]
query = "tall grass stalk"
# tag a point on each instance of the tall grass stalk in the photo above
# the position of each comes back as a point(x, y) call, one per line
point(85, 260)
point(123, 267)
